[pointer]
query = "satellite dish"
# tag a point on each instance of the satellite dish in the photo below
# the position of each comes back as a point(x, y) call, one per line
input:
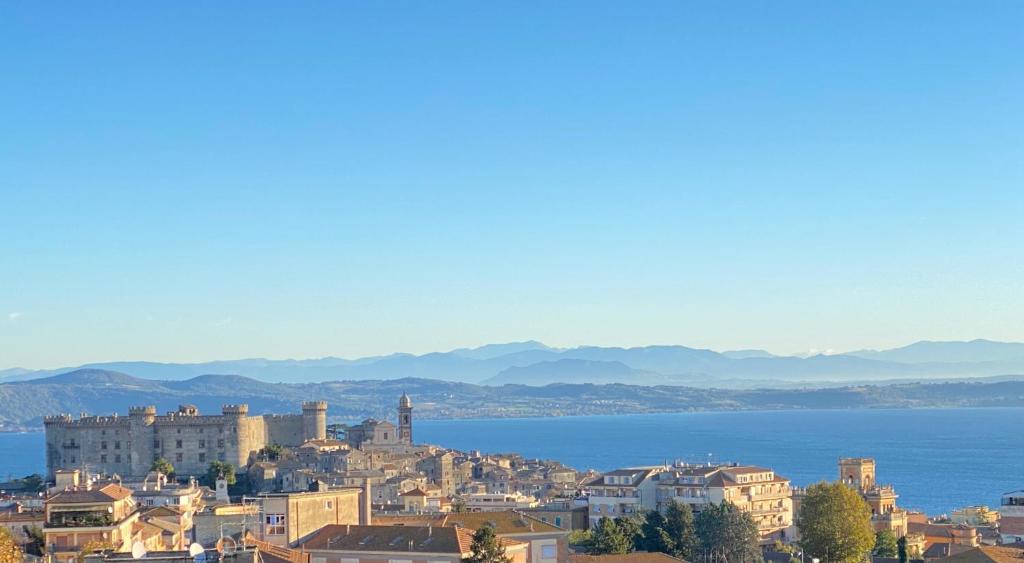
point(196, 549)
point(138, 550)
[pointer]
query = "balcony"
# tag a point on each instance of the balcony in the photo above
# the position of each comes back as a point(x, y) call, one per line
point(80, 520)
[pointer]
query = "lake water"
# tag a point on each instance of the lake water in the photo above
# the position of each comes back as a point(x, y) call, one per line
point(938, 459)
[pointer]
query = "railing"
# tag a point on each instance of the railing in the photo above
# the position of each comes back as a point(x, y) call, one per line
point(289, 555)
point(83, 521)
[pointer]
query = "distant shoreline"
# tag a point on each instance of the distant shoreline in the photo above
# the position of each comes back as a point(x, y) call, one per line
point(520, 416)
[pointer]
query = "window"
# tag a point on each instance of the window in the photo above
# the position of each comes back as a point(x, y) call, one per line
point(220, 443)
point(547, 552)
point(117, 445)
point(221, 456)
point(177, 444)
point(179, 431)
point(558, 521)
point(275, 524)
point(103, 445)
point(328, 505)
point(156, 444)
point(103, 458)
point(178, 457)
point(117, 458)
point(202, 457)
point(202, 443)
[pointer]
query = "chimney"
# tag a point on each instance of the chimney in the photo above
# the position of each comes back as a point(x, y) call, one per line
point(366, 511)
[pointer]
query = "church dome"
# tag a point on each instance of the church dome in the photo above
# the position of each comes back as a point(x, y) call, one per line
point(405, 401)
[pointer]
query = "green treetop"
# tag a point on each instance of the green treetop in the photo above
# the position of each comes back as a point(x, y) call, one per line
point(835, 524)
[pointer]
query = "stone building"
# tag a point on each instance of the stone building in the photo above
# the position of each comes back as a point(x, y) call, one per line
point(381, 434)
point(127, 445)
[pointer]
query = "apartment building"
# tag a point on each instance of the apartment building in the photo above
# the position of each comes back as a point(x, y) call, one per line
point(623, 492)
point(756, 490)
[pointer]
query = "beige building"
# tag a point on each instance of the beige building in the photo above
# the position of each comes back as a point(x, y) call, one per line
point(859, 472)
point(756, 490)
point(393, 544)
point(547, 543)
point(101, 515)
point(382, 435)
point(127, 445)
point(291, 518)
point(623, 492)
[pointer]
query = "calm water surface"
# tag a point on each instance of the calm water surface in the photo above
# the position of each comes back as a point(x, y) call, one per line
point(939, 459)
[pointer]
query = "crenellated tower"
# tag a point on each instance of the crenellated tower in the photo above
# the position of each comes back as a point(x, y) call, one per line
point(141, 450)
point(314, 420)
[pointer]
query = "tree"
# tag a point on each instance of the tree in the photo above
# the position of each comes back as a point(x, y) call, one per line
point(458, 505)
point(486, 548)
point(272, 452)
point(33, 483)
point(9, 550)
point(219, 469)
point(901, 549)
point(163, 466)
point(679, 526)
point(727, 535)
point(609, 539)
point(835, 524)
point(886, 544)
point(581, 540)
point(630, 528)
point(653, 536)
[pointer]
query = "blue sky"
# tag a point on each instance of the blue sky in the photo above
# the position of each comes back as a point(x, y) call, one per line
point(190, 181)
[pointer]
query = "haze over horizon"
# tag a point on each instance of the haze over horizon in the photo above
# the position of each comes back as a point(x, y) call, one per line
point(310, 180)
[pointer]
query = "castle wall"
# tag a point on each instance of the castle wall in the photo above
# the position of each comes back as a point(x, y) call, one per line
point(128, 445)
point(91, 442)
point(286, 430)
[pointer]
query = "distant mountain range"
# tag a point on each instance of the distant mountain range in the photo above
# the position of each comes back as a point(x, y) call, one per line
point(23, 404)
point(534, 363)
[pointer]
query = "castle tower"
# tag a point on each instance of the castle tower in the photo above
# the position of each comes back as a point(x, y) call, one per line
point(857, 471)
point(239, 441)
point(141, 453)
point(405, 419)
point(314, 420)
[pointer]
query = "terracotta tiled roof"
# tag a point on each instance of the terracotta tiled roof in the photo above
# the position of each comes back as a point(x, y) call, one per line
point(413, 493)
point(106, 493)
point(635, 557)
point(989, 554)
point(505, 522)
point(396, 539)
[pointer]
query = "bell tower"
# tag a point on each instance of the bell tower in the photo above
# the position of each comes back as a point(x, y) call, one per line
point(405, 419)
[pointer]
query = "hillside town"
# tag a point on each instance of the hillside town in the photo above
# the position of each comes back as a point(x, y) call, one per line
point(192, 487)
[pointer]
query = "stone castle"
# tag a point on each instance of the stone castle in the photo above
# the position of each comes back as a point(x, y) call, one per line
point(128, 445)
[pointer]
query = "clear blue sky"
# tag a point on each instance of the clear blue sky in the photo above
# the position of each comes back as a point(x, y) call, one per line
point(184, 181)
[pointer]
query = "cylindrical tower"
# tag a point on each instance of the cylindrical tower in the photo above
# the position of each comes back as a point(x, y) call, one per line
point(314, 420)
point(140, 429)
